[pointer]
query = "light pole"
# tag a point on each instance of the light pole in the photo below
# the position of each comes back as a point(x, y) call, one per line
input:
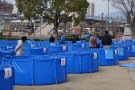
point(108, 14)
point(102, 22)
point(40, 26)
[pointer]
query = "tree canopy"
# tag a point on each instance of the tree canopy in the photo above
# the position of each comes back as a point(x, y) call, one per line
point(53, 10)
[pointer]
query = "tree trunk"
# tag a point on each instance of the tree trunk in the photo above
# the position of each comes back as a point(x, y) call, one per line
point(132, 30)
point(64, 28)
point(10, 33)
point(56, 32)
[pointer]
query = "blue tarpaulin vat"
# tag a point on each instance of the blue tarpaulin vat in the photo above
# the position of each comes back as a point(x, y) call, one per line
point(54, 49)
point(36, 51)
point(39, 70)
point(74, 47)
point(80, 62)
point(6, 57)
point(23, 71)
point(108, 57)
point(6, 80)
point(48, 70)
point(6, 53)
point(131, 49)
point(122, 52)
point(94, 59)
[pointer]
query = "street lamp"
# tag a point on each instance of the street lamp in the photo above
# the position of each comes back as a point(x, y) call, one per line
point(102, 22)
point(108, 14)
point(40, 23)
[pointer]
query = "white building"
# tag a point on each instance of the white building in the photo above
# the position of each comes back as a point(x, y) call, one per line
point(91, 9)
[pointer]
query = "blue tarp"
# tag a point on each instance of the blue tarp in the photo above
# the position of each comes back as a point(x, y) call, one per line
point(129, 65)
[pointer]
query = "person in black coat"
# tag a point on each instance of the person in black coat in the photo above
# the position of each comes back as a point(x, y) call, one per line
point(52, 38)
point(73, 39)
point(106, 40)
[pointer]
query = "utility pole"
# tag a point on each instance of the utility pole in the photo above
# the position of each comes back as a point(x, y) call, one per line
point(102, 23)
point(108, 16)
point(107, 23)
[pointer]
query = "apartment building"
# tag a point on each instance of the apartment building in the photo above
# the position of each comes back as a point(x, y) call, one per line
point(6, 7)
point(91, 9)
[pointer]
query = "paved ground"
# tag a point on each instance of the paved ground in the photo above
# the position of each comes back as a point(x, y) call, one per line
point(108, 78)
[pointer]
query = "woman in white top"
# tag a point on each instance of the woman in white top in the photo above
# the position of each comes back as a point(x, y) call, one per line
point(19, 48)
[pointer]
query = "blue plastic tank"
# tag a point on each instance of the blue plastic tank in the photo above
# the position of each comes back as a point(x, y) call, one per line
point(122, 52)
point(6, 53)
point(132, 50)
point(79, 62)
point(6, 77)
point(70, 61)
point(39, 70)
point(49, 70)
point(108, 57)
point(94, 59)
point(36, 51)
point(54, 49)
point(23, 71)
point(74, 47)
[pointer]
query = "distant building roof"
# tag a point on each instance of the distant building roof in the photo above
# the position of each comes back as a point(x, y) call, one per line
point(104, 18)
point(15, 21)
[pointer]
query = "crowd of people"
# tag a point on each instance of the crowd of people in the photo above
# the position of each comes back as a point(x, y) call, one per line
point(93, 40)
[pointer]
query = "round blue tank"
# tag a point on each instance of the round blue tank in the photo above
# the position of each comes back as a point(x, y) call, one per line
point(70, 61)
point(129, 41)
point(114, 42)
point(54, 49)
point(6, 53)
point(122, 52)
point(94, 59)
point(49, 70)
point(74, 47)
point(68, 42)
point(11, 47)
point(36, 51)
point(26, 51)
point(132, 50)
point(3, 47)
point(23, 70)
point(86, 45)
point(80, 62)
point(108, 57)
point(39, 70)
point(6, 78)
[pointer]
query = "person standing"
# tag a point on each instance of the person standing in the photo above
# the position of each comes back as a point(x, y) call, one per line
point(19, 49)
point(87, 37)
point(93, 42)
point(62, 39)
point(52, 38)
point(106, 40)
point(73, 39)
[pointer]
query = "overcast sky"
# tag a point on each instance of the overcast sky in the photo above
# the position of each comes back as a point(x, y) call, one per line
point(100, 6)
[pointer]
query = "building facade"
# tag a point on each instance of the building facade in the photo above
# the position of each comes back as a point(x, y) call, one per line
point(6, 7)
point(91, 9)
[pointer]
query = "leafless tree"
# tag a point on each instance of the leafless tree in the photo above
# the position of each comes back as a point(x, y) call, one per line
point(127, 7)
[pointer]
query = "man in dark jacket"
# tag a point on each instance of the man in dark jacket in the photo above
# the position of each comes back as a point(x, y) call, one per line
point(106, 40)
point(52, 38)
